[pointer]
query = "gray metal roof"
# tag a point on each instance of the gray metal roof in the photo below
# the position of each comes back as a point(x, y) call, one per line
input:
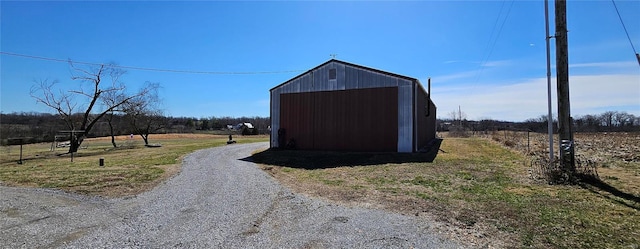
point(348, 64)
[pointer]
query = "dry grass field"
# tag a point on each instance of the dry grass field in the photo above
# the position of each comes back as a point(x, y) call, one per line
point(480, 191)
point(129, 169)
point(616, 154)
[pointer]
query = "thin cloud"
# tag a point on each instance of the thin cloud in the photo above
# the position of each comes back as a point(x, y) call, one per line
point(616, 64)
point(605, 90)
point(528, 99)
point(472, 74)
point(599, 86)
point(458, 61)
point(500, 63)
point(456, 76)
point(486, 64)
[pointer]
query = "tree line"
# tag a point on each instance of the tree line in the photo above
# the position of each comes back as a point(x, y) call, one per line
point(43, 127)
point(609, 121)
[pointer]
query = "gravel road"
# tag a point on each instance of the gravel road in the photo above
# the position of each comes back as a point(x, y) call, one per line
point(217, 201)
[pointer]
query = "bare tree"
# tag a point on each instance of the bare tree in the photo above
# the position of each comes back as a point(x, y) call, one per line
point(459, 121)
point(82, 115)
point(591, 122)
point(607, 119)
point(458, 115)
point(622, 119)
point(110, 98)
point(144, 113)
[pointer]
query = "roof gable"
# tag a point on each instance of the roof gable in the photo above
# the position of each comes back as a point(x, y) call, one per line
point(347, 64)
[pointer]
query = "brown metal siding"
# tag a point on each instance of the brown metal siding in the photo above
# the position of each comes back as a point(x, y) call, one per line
point(353, 120)
point(426, 119)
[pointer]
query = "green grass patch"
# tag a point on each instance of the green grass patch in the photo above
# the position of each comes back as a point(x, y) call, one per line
point(380, 181)
point(332, 182)
point(438, 184)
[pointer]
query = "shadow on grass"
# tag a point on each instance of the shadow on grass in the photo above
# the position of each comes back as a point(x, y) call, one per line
point(332, 159)
point(28, 158)
point(597, 186)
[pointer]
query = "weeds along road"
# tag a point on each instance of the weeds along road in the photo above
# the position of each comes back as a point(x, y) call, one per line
point(217, 201)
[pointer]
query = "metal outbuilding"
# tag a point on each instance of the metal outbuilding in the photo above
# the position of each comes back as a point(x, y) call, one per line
point(339, 106)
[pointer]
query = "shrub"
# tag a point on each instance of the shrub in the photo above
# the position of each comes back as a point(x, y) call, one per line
point(509, 143)
point(459, 131)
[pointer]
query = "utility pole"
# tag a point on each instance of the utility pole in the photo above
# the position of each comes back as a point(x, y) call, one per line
point(567, 156)
point(549, 117)
point(460, 116)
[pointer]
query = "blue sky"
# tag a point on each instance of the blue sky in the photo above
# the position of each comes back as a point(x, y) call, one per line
point(486, 56)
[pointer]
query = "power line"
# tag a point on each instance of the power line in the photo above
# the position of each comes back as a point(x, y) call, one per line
point(146, 68)
point(493, 30)
point(626, 32)
point(495, 40)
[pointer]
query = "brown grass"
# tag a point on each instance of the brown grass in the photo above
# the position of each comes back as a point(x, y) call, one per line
point(480, 192)
point(129, 169)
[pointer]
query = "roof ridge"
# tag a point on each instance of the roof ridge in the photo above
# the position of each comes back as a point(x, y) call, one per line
point(352, 65)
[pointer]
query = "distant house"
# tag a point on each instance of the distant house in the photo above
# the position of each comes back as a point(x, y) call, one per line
point(246, 129)
point(241, 126)
point(339, 106)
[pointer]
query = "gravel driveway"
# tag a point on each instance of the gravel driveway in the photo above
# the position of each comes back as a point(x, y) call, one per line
point(217, 201)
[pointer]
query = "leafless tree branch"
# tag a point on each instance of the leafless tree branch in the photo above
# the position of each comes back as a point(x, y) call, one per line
point(110, 96)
